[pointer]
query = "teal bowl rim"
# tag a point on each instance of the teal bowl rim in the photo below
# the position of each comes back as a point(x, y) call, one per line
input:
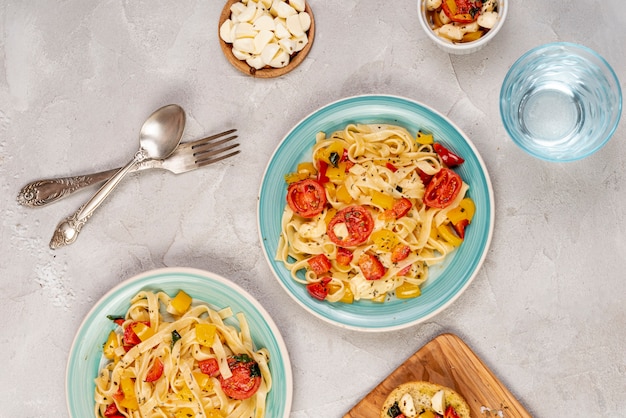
point(551, 46)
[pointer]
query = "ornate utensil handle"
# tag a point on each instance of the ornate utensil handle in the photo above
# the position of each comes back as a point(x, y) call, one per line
point(43, 192)
point(67, 230)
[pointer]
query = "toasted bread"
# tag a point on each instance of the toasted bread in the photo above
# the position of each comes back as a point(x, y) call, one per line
point(422, 394)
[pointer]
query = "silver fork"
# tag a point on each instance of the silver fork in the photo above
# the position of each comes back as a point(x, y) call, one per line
point(187, 156)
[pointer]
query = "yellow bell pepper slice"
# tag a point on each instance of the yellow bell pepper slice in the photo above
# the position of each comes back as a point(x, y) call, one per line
point(342, 194)
point(348, 296)
point(424, 139)
point(181, 302)
point(127, 385)
point(185, 394)
point(205, 334)
point(329, 215)
point(142, 330)
point(465, 210)
point(110, 345)
point(384, 239)
point(408, 290)
point(445, 231)
point(204, 381)
point(382, 200)
point(213, 413)
point(380, 298)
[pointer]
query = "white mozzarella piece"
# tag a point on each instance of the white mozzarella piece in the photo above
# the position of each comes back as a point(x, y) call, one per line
point(488, 19)
point(301, 42)
point(438, 403)
point(269, 52)
point(294, 26)
point(255, 61)
point(407, 406)
point(243, 56)
point(282, 9)
point(264, 22)
point(226, 31)
point(244, 30)
point(244, 45)
point(281, 30)
point(248, 14)
point(299, 5)
point(305, 21)
point(288, 44)
point(281, 59)
point(262, 39)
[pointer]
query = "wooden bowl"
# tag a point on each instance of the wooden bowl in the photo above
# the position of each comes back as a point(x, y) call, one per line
point(267, 72)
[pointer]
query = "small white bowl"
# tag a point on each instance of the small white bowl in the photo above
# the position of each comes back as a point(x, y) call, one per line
point(466, 47)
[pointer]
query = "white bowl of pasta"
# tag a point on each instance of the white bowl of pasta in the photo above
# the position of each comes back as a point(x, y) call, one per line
point(176, 340)
point(461, 26)
point(352, 239)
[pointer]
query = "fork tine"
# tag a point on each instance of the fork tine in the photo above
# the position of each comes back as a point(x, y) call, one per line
point(210, 157)
point(207, 145)
point(203, 141)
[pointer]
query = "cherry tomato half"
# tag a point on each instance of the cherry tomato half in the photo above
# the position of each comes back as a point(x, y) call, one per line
point(306, 198)
point(209, 367)
point(371, 267)
point(156, 371)
point(358, 222)
point(442, 189)
point(450, 412)
point(245, 380)
point(448, 157)
point(319, 290)
point(131, 339)
point(344, 256)
point(461, 11)
point(320, 264)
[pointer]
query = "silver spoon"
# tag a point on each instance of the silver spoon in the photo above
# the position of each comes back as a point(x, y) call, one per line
point(160, 135)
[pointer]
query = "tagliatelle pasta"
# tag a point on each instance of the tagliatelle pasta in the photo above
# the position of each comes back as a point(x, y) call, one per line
point(172, 358)
point(368, 216)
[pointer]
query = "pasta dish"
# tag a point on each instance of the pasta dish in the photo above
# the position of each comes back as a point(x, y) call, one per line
point(171, 358)
point(371, 212)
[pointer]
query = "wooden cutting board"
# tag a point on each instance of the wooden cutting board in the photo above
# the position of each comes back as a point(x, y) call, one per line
point(448, 361)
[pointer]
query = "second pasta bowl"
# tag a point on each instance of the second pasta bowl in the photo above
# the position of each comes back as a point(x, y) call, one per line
point(354, 206)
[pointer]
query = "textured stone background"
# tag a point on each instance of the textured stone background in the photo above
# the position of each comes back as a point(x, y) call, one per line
point(546, 312)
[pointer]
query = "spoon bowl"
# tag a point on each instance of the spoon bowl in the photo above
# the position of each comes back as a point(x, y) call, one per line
point(160, 135)
point(162, 131)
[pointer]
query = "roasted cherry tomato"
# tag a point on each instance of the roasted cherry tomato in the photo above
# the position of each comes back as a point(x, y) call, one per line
point(400, 252)
point(344, 256)
point(245, 380)
point(371, 267)
point(401, 207)
point(442, 189)
point(306, 198)
point(322, 168)
point(131, 339)
point(320, 264)
point(448, 157)
point(450, 412)
point(391, 167)
point(156, 371)
point(358, 226)
point(460, 226)
point(461, 11)
point(319, 290)
point(424, 177)
point(111, 411)
point(209, 367)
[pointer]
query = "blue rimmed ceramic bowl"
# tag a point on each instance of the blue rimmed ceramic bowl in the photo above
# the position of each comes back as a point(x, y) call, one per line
point(86, 359)
point(446, 281)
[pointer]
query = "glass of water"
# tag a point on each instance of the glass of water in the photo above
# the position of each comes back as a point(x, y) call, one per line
point(560, 102)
